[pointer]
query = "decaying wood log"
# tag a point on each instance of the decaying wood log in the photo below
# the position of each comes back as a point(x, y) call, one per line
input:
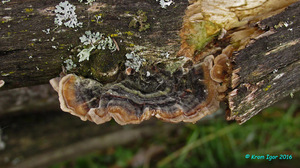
point(269, 69)
point(31, 53)
point(33, 49)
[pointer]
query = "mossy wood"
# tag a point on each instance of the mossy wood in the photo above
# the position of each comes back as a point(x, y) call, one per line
point(267, 70)
point(29, 55)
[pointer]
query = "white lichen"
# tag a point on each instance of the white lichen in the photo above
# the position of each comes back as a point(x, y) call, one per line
point(69, 64)
point(90, 38)
point(5, 1)
point(164, 3)
point(6, 19)
point(88, 2)
point(134, 61)
point(278, 76)
point(97, 17)
point(292, 95)
point(283, 24)
point(85, 54)
point(5, 74)
point(107, 42)
point(94, 41)
point(47, 31)
point(166, 55)
point(65, 14)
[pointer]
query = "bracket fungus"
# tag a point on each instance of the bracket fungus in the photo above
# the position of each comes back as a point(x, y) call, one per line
point(187, 94)
point(183, 88)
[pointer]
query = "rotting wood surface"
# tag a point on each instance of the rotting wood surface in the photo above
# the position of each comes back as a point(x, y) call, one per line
point(31, 56)
point(267, 70)
point(263, 80)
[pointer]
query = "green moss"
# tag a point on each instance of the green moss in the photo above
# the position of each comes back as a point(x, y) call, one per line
point(235, 113)
point(140, 20)
point(103, 65)
point(129, 33)
point(28, 10)
point(130, 45)
point(267, 88)
point(172, 67)
point(114, 35)
point(62, 46)
point(205, 32)
point(7, 74)
point(4, 74)
point(97, 18)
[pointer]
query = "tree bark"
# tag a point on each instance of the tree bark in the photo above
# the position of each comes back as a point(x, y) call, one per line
point(269, 69)
point(29, 56)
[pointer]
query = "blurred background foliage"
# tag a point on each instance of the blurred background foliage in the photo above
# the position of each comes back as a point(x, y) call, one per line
point(213, 143)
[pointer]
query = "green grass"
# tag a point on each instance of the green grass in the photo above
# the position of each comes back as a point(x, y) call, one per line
point(217, 143)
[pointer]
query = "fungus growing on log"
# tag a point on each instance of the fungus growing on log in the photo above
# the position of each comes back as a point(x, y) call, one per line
point(187, 94)
point(183, 88)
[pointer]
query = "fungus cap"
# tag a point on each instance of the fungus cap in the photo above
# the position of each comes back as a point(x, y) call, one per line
point(182, 96)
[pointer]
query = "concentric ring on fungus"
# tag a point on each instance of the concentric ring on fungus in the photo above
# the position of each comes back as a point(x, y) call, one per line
point(177, 101)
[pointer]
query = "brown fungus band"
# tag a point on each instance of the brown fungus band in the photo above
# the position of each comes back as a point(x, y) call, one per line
point(186, 95)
